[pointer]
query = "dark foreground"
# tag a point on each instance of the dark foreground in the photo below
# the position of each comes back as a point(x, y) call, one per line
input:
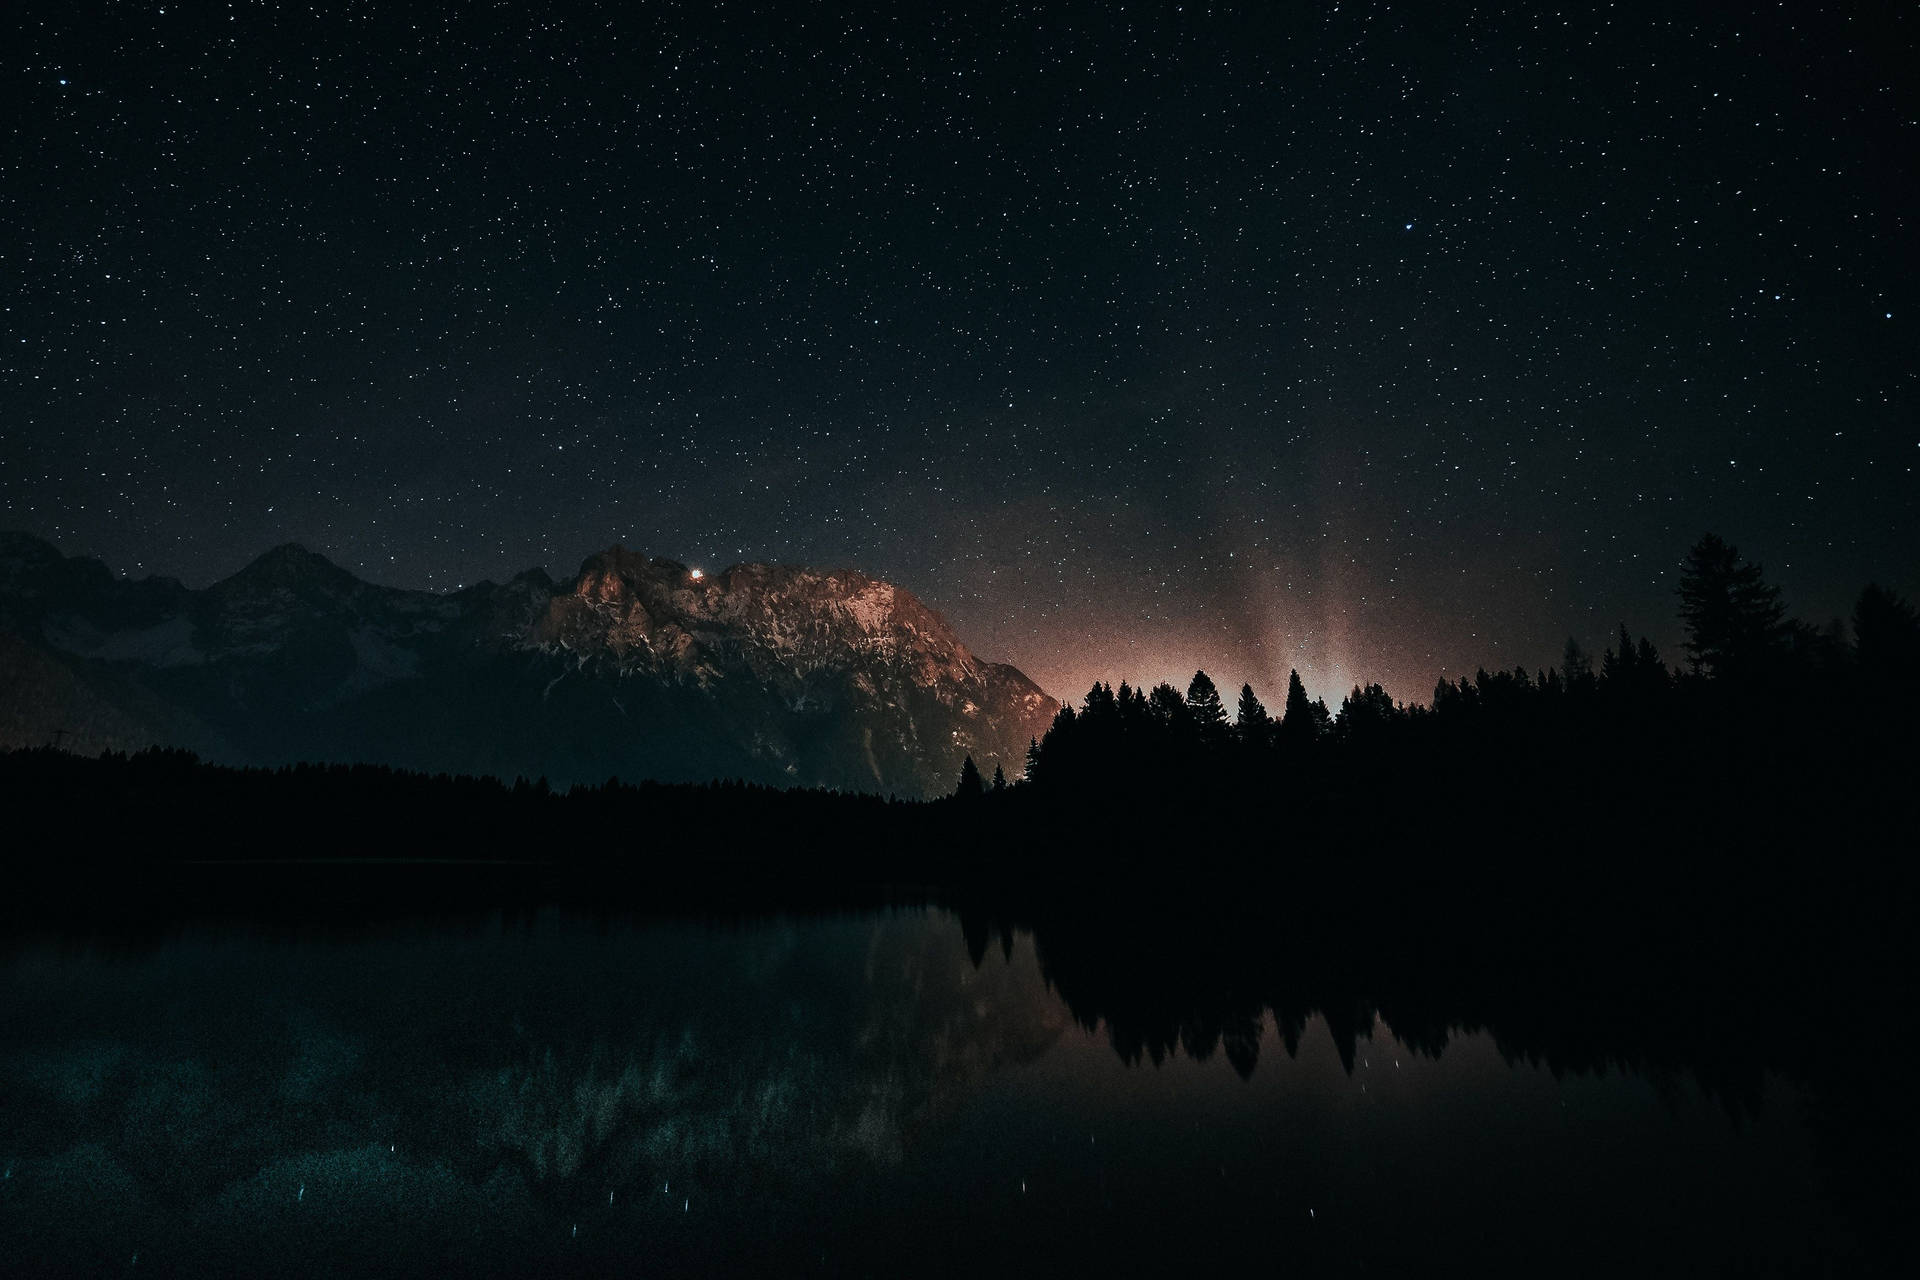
point(1098, 1086)
point(714, 1031)
point(534, 1092)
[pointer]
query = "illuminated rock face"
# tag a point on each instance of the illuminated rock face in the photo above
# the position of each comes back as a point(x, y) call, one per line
point(849, 681)
point(636, 667)
point(779, 619)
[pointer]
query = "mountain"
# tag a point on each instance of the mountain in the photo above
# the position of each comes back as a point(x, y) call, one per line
point(635, 667)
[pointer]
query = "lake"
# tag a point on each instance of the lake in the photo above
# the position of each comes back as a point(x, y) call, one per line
point(870, 1092)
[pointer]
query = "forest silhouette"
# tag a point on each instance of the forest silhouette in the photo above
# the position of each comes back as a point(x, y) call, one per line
point(1789, 691)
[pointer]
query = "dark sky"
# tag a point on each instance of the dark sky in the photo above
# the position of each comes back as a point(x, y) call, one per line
point(1377, 341)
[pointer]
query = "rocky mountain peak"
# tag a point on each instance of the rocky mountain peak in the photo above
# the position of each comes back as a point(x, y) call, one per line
point(618, 574)
point(287, 583)
point(287, 565)
point(660, 612)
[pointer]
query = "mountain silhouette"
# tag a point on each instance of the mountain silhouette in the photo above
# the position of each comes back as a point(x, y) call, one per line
point(636, 667)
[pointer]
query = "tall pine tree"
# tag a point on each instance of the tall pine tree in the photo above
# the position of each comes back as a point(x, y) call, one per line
point(1298, 723)
point(971, 787)
point(1203, 702)
point(1251, 719)
point(1735, 622)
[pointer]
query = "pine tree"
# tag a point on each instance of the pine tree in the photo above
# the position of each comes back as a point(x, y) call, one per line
point(1364, 713)
point(1251, 718)
point(1168, 707)
point(1298, 724)
point(1203, 701)
point(1322, 718)
point(1100, 703)
point(999, 779)
point(1886, 635)
point(1576, 668)
point(1735, 621)
point(1033, 757)
point(971, 788)
point(1619, 670)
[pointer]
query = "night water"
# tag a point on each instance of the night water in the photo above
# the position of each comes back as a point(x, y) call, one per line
point(550, 1093)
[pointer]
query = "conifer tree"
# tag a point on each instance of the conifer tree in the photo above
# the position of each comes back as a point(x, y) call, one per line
point(971, 788)
point(1167, 705)
point(1298, 724)
point(1100, 702)
point(1322, 718)
point(1364, 713)
point(1735, 621)
point(1251, 718)
point(1651, 671)
point(1576, 668)
point(1886, 635)
point(1203, 702)
point(1619, 669)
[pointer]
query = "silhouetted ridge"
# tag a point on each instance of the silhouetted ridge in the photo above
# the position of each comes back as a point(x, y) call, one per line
point(19, 550)
point(291, 560)
point(293, 572)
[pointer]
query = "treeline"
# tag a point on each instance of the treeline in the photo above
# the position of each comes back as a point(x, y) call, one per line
point(125, 825)
point(1767, 718)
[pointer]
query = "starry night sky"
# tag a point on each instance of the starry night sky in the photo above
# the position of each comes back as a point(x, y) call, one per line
point(1377, 341)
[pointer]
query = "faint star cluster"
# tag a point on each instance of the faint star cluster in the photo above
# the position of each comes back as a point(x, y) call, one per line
point(1375, 340)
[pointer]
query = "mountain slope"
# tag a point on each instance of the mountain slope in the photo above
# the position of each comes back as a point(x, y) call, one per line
point(634, 667)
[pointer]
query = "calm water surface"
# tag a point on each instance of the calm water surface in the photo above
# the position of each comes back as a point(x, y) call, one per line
point(851, 1094)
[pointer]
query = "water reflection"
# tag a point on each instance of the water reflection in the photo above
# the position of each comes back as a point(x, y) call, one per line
point(522, 1092)
point(490, 1078)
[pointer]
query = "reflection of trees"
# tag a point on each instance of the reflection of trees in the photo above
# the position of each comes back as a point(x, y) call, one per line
point(1721, 992)
point(1161, 984)
point(1719, 997)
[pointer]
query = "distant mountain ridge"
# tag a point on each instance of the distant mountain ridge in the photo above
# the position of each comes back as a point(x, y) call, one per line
point(635, 667)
